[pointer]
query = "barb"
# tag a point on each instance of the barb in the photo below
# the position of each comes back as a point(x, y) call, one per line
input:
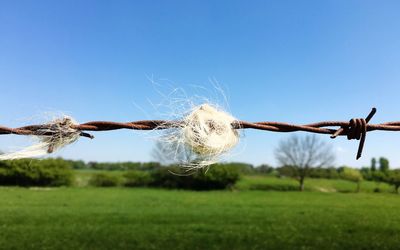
point(353, 129)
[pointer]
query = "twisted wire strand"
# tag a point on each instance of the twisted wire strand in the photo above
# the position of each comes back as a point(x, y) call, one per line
point(356, 128)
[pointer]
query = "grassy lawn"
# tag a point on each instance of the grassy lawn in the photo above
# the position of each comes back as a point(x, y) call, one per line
point(123, 218)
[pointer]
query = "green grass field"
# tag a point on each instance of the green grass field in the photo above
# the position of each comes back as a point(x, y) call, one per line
point(123, 218)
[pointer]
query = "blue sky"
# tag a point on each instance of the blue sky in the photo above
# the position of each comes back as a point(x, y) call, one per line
point(290, 61)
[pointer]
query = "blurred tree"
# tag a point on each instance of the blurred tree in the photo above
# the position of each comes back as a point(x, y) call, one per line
point(302, 153)
point(378, 176)
point(383, 164)
point(264, 169)
point(171, 153)
point(353, 175)
point(393, 178)
point(373, 164)
point(367, 173)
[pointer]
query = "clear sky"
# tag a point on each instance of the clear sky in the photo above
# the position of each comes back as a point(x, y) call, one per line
point(291, 61)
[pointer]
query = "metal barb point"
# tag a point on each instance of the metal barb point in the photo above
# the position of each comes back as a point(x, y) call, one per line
point(364, 132)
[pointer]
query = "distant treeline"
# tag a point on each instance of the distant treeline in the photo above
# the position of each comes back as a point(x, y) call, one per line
point(59, 172)
point(242, 168)
point(146, 166)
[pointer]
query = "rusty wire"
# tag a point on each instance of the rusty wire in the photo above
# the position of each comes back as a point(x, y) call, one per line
point(353, 129)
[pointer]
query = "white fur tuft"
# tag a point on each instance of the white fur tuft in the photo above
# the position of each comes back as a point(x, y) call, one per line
point(204, 136)
point(209, 131)
point(61, 132)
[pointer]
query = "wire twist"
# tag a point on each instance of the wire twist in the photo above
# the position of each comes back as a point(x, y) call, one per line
point(356, 128)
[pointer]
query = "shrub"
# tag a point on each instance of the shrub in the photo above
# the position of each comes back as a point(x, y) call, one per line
point(104, 180)
point(394, 179)
point(216, 177)
point(135, 178)
point(170, 177)
point(367, 173)
point(275, 187)
point(242, 168)
point(30, 172)
point(351, 174)
point(325, 173)
point(378, 176)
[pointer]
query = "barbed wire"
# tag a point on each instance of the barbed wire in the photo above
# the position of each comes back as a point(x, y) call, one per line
point(356, 128)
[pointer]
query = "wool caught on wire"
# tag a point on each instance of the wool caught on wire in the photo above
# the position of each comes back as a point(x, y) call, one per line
point(208, 131)
point(204, 135)
point(51, 137)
